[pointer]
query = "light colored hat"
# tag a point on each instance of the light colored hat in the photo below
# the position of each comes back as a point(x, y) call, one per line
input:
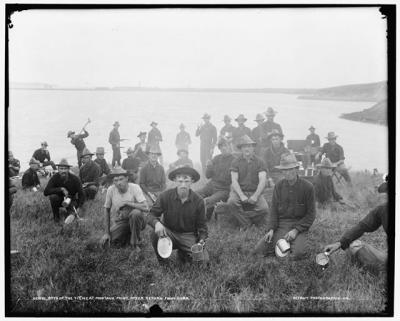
point(118, 172)
point(129, 150)
point(241, 118)
point(275, 132)
point(100, 150)
point(288, 161)
point(184, 170)
point(44, 143)
point(245, 140)
point(270, 112)
point(63, 163)
point(326, 163)
point(206, 116)
point(154, 150)
point(331, 135)
point(259, 117)
point(86, 152)
point(227, 118)
point(70, 133)
point(34, 161)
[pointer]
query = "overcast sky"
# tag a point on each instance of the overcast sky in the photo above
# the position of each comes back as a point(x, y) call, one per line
point(245, 48)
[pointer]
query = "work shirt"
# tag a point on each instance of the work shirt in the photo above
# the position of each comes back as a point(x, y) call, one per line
point(370, 223)
point(248, 171)
point(114, 137)
point(90, 172)
point(78, 141)
point(227, 129)
point(105, 170)
point(239, 132)
point(313, 140)
point(154, 138)
point(30, 178)
point(208, 135)
point(259, 135)
point(269, 126)
point(72, 184)
point(11, 171)
point(181, 162)
point(324, 189)
point(293, 202)
point(42, 155)
point(183, 140)
point(152, 178)
point(220, 171)
point(178, 217)
point(141, 149)
point(115, 199)
point(335, 152)
point(131, 164)
point(272, 157)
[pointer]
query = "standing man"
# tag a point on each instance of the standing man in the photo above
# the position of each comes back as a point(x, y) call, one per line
point(269, 124)
point(152, 177)
point(43, 156)
point(218, 171)
point(259, 135)
point(104, 168)
point(313, 145)
point(89, 173)
point(292, 212)
point(13, 165)
point(249, 175)
point(228, 127)
point(30, 178)
point(208, 140)
point(126, 204)
point(114, 139)
point(64, 184)
point(273, 154)
point(335, 153)
point(155, 138)
point(183, 139)
point(179, 214)
point(131, 165)
point(241, 130)
point(78, 142)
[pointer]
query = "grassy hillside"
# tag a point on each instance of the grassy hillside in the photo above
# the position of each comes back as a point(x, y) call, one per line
point(376, 114)
point(61, 269)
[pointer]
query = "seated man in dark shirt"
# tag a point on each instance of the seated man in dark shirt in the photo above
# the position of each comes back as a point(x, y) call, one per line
point(43, 156)
point(30, 178)
point(292, 212)
point(89, 173)
point(104, 168)
point(183, 160)
point(364, 253)
point(13, 165)
point(131, 165)
point(61, 185)
point(179, 214)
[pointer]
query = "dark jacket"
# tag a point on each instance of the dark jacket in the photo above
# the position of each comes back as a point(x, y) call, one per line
point(208, 135)
point(335, 152)
point(141, 153)
point(72, 184)
point(269, 126)
point(325, 190)
point(131, 164)
point(272, 157)
point(90, 172)
point(41, 155)
point(220, 171)
point(114, 137)
point(313, 140)
point(104, 168)
point(152, 178)
point(78, 141)
point(154, 138)
point(30, 179)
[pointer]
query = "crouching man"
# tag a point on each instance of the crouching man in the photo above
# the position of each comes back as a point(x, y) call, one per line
point(179, 213)
point(292, 212)
point(126, 203)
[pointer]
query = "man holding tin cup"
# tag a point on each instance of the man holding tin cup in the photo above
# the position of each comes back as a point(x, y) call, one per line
point(292, 212)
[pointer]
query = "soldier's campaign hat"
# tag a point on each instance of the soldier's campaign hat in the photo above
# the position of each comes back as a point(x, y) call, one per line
point(240, 118)
point(288, 161)
point(259, 117)
point(270, 112)
point(34, 161)
point(129, 150)
point(141, 134)
point(44, 143)
point(154, 150)
point(184, 170)
point(86, 152)
point(116, 123)
point(70, 133)
point(206, 116)
point(100, 150)
point(153, 123)
point(63, 163)
point(227, 118)
point(331, 135)
point(326, 163)
point(118, 172)
point(275, 132)
point(311, 127)
point(182, 150)
point(182, 125)
point(245, 140)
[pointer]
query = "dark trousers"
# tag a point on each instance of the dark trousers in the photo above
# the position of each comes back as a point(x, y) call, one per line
point(212, 196)
point(55, 202)
point(50, 163)
point(128, 227)
point(116, 156)
point(78, 155)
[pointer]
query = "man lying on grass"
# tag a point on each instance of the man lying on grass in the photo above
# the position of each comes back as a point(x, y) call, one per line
point(292, 212)
point(126, 203)
point(179, 213)
point(365, 254)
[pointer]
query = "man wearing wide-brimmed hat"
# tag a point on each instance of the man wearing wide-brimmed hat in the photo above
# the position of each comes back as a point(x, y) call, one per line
point(30, 178)
point(240, 130)
point(228, 127)
point(154, 138)
point(64, 184)
point(141, 148)
point(89, 173)
point(125, 204)
point(312, 147)
point(368, 256)
point(325, 192)
point(104, 168)
point(179, 214)
point(259, 135)
point(183, 160)
point(114, 139)
point(208, 140)
point(43, 156)
point(335, 153)
point(249, 175)
point(131, 164)
point(273, 154)
point(78, 142)
point(152, 176)
point(269, 125)
point(292, 212)
point(183, 139)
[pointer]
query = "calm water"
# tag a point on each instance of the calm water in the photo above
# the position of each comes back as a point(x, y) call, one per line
point(37, 115)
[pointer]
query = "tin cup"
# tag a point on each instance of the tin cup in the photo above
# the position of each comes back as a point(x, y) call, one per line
point(197, 252)
point(322, 259)
point(283, 245)
point(66, 202)
point(34, 189)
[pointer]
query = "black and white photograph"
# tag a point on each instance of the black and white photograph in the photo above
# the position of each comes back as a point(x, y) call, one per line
point(199, 160)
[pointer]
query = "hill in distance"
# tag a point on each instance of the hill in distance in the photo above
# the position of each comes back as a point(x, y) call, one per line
point(376, 114)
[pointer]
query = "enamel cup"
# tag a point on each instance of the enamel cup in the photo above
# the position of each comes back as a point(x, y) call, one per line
point(322, 259)
point(197, 252)
point(282, 248)
point(66, 202)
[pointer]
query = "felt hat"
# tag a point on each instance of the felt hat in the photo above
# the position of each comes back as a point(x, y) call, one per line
point(311, 127)
point(184, 170)
point(86, 152)
point(154, 150)
point(116, 123)
point(141, 134)
point(206, 116)
point(182, 126)
point(34, 161)
point(70, 133)
point(326, 163)
point(227, 118)
point(129, 150)
point(63, 163)
point(182, 150)
point(259, 117)
point(100, 150)
point(288, 161)
point(241, 118)
point(275, 132)
point(44, 143)
point(153, 123)
point(118, 172)
point(270, 112)
point(245, 140)
point(331, 135)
